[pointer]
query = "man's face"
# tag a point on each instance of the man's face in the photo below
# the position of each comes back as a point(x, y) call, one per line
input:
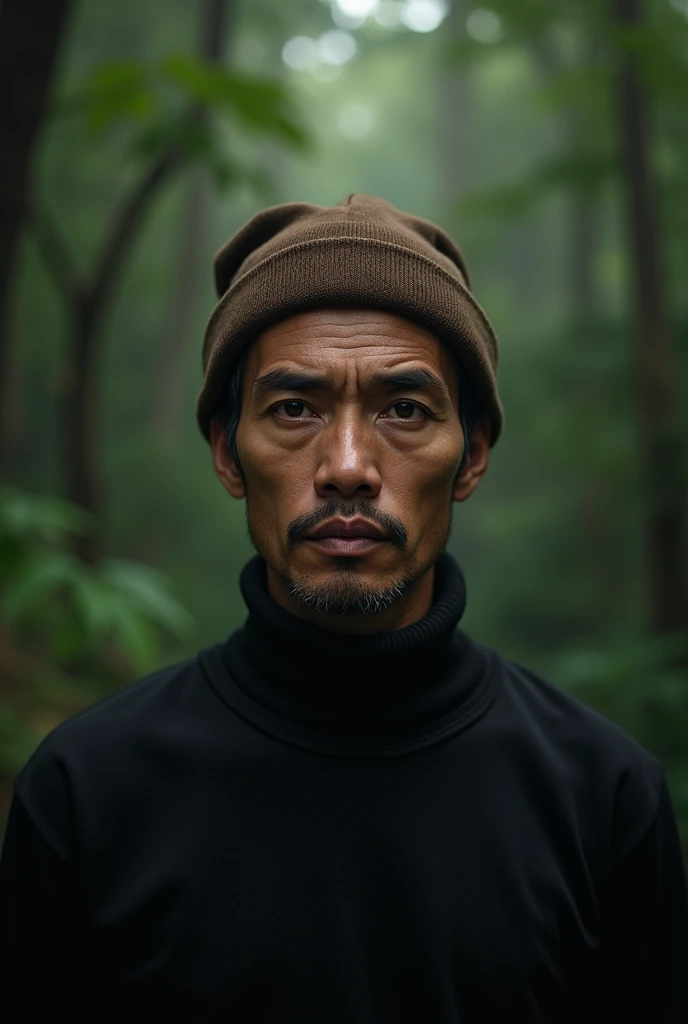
point(349, 425)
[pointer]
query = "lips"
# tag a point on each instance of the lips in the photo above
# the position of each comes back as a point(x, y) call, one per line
point(347, 528)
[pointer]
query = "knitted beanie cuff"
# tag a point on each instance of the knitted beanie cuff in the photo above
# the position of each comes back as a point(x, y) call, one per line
point(354, 272)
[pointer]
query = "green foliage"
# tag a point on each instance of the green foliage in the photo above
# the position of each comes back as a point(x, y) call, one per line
point(661, 54)
point(580, 170)
point(118, 92)
point(182, 103)
point(69, 632)
point(261, 105)
point(45, 518)
point(75, 610)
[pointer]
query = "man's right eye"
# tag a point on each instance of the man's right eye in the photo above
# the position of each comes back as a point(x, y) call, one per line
point(292, 409)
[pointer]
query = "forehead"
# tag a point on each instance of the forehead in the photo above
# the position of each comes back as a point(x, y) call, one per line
point(335, 337)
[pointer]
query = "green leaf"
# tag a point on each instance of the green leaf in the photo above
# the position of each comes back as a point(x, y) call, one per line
point(120, 91)
point(24, 515)
point(95, 603)
point(147, 590)
point(261, 105)
point(42, 575)
point(136, 637)
point(196, 138)
point(193, 136)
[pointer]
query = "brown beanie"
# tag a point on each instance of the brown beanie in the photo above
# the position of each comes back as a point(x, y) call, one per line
point(363, 253)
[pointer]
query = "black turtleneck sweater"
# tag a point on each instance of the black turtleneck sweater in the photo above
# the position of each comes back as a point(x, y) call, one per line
point(298, 825)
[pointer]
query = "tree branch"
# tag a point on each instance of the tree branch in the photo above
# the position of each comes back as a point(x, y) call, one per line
point(216, 24)
point(126, 224)
point(55, 253)
point(30, 40)
point(657, 354)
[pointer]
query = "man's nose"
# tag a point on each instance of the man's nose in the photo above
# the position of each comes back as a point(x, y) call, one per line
point(348, 461)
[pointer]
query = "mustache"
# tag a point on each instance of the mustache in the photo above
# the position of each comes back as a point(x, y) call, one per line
point(393, 527)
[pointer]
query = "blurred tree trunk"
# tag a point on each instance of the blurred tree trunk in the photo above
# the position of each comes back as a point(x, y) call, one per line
point(582, 234)
point(30, 37)
point(581, 239)
point(662, 432)
point(88, 302)
point(456, 136)
point(193, 263)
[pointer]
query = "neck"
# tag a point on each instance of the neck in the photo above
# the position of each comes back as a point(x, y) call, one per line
point(358, 693)
point(409, 609)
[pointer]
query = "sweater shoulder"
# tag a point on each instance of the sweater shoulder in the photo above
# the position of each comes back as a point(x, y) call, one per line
point(566, 715)
point(136, 701)
point(95, 740)
point(581, 745)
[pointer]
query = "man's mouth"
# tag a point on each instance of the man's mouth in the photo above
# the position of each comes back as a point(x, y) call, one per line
point(347, 536)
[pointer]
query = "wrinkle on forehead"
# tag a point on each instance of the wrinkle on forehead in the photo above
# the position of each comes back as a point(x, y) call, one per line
point(349, 324)
point(339, 341)
point(341, 320)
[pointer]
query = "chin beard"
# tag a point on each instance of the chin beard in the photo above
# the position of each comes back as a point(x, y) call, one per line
point(345, 593)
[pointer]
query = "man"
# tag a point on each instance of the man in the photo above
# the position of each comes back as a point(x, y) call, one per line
point(348, 812)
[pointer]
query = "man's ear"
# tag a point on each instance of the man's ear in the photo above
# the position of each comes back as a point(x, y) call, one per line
point(478, 458)
point(226, 468)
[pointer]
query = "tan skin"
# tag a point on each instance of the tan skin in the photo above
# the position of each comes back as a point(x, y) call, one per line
point(356, 438)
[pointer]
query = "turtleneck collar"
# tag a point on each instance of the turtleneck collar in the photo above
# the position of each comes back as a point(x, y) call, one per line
point(390, 692)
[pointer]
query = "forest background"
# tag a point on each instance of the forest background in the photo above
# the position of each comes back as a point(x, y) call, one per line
point(549, 139)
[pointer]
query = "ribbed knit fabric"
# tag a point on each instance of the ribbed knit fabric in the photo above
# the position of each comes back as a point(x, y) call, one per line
point(361, 253)
point(393, 692)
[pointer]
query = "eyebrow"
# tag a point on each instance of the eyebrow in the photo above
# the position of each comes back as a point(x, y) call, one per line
point(289, 380)
point(415, 378)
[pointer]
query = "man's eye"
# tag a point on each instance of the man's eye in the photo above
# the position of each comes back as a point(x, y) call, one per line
point(291, 409)
point(407, 411)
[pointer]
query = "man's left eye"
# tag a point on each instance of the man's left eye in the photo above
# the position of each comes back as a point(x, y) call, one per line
point(407, 411)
